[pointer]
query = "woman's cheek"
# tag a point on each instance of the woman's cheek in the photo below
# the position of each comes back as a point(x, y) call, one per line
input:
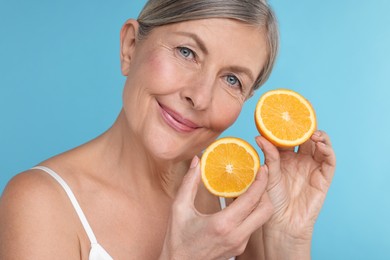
point(225, 115)
point(165, 71)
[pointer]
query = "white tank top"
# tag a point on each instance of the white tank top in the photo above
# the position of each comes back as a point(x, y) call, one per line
point(97, 252)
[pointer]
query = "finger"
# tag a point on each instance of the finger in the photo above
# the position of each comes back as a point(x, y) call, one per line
point(259, 215)
point(307, 147)
point(286, 149)
point(323, 148)
point(272, 160)
point(321, 136)
point(325, 155)
point(189, 187)
point(241, 207)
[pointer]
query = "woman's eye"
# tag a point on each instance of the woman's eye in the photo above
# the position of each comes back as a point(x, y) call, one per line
point(233, 81)
point(186, 52)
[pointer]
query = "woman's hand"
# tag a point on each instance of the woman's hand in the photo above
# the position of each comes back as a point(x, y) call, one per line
point(297, 186)
point(192, 235)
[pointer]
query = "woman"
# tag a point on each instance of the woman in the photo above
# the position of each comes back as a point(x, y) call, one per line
point(134, 192)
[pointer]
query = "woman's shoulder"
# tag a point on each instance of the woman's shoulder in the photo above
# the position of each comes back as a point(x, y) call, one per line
point(33, 195)
point(33, 186)
point(32, 213)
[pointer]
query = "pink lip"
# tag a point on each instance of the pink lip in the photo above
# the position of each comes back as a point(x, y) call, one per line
point(176, 121)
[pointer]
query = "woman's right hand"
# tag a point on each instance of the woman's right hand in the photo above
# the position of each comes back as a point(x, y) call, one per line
point(192, 235)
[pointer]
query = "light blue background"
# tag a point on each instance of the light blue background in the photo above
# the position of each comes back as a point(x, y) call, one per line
point(60, 86)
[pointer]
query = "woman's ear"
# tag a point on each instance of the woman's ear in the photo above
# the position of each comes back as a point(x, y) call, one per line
point(128, 41)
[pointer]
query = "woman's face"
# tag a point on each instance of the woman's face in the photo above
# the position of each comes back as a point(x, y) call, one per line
point(187, 82)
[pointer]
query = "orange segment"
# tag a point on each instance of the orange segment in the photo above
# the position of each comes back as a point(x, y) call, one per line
point(229, 166)
point(285, 117)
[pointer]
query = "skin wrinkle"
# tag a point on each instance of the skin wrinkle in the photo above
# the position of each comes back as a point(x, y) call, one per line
point(153, 170)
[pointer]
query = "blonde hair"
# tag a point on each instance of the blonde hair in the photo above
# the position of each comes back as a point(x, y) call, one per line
point(254, 12)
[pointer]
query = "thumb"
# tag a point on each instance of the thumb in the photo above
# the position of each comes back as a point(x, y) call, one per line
point(272, 160)
point(190, 184)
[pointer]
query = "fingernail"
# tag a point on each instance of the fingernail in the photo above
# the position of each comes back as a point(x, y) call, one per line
point(317, 133)
point(194, 162)
point(258, 141)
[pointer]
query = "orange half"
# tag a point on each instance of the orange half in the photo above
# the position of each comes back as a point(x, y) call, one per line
point(229, 166)
point(285, 117)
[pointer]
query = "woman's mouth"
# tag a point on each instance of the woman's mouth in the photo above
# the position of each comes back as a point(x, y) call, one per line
point(176, 121)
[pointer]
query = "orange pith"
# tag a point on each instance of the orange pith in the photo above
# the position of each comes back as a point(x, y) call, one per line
point(229, 166)
point(285, 117)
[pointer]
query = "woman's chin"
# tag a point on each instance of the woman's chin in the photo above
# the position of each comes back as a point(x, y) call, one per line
point(166, 149)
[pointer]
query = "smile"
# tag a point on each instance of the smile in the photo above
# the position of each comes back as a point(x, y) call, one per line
point(176, 121)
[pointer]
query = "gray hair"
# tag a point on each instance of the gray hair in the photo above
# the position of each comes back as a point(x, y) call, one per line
point(254, 12)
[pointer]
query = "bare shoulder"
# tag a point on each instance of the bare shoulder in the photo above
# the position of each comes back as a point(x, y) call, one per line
point(35, 222)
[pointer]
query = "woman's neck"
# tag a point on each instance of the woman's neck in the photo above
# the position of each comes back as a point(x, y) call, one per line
point(121, 153)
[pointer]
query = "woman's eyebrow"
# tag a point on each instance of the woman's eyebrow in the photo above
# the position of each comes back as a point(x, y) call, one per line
point(197, 40)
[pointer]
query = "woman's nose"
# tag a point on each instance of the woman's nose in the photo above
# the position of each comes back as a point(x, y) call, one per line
point(199, 93)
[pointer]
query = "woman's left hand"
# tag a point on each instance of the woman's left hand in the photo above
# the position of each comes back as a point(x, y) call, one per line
point(298, 184)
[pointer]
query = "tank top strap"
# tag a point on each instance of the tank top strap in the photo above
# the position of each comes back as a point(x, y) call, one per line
point(73, 200)
point(222, 202)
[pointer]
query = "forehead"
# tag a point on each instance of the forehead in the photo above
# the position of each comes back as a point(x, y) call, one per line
point(227, 38)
